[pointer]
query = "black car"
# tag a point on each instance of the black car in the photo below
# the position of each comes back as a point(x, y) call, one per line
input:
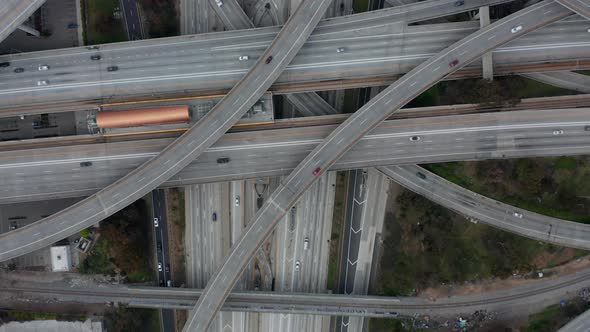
point(459, 3)
point(112, 68)
point(86, 164)
point(159, 247)
point(268, 60)
point(223, 160)
point(587, 128)
point(162, 283)
point(72, 26)
point(95, 57)
point(167, 268)
point(4, 64)
point(421, 175)
point(19, 70)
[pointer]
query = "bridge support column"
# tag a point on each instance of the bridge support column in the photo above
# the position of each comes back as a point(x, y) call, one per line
point(29, 30)
point(486, 59)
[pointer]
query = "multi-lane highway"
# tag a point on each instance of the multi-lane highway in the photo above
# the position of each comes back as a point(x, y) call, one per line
point(527, 297)
point(14, 12)
point(179, 153)
point(194, 16)
point(206, 62)
point(489, 211)
point(55, 172)
point(352, 130)
point(231, 14)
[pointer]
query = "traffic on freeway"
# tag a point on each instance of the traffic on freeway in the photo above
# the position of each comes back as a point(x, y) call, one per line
point(352, 130)
point(56, 171)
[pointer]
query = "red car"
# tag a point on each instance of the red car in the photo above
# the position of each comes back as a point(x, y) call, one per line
point(453, 63)
point(317, 171)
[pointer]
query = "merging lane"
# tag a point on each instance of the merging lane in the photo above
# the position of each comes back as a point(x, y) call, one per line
point(352, 130)
point(14, 12)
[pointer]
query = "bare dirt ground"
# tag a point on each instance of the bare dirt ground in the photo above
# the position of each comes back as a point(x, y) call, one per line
point(176, 226)
point(490, 285)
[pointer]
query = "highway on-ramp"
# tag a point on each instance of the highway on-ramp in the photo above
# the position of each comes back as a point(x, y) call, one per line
point(179, 153)
point(352, 130)
point(581, 7)
point(494, 213)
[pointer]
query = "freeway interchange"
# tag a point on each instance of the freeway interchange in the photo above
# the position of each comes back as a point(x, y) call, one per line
point(331, 147)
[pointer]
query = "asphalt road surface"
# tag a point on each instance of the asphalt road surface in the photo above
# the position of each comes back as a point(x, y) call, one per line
point(14, 12)
point(206, 62)
point(581, 7)
point(579, 324)
point(132, 19)
point(56, 172)
point(232, 15)
point(352, 130)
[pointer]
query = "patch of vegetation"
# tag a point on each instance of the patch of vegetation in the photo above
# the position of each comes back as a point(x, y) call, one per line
point(555, 316)
point(426, 245)
point(429, 97)
point(338, 219)
point(124, 319)
point(24, 316)
point(556, 186)
point(122, 244)
point(85, 233)
point(104, 23)
point(391, 325)
point(360, 6)
point(161, 16)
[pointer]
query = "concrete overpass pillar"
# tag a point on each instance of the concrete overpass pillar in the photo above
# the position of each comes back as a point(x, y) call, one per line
point(29, 30)
point(486, 59)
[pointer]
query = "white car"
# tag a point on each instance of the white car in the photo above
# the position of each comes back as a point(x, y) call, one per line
point(237, 200)
point(340, 50)
point(415, 138)
point(159, 267)
point(43, 67)
point(306, 243)
point(243, 58)
point(297, 266)
point(219, 3)
point(156, 224)
point(516, 29)
point(42, 82)
point(557, 132)
point(517, 214)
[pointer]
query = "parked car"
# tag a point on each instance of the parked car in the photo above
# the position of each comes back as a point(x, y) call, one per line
point(72, 26)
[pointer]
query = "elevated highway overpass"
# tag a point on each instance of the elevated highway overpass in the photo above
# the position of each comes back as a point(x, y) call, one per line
point(14, 12)
point(352, 130)
point(205, 63)
point(535, 295)
point(54, 171)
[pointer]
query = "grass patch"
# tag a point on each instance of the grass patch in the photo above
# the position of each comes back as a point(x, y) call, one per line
point(104, 22)
point(555, 186)
point(122, 244)
point(161, 17)
point(429, 97)
point(25, 316)
point(338, 219)
point(124, 319)
point(391, 325)
point(555, 316)
point(360, 6)
point(427, 245)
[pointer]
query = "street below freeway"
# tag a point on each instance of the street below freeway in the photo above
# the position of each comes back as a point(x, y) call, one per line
point(56, 172)
point(132, 19)
point(352, 130)
point(14, 12)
